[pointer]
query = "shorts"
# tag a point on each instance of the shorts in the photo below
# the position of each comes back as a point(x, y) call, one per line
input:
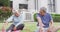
point(19, 27)
point(45, 29)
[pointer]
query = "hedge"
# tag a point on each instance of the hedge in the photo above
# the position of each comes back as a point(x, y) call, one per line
point(56, 17)
point(35, 17)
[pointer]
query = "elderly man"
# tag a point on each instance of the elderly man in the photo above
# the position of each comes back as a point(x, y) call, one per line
point(44, 19)
point(17, 19)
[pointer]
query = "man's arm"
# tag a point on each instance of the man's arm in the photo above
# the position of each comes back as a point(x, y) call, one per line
point(41, 29)
point(51, 23)
point(40, 22)
point(51, 27)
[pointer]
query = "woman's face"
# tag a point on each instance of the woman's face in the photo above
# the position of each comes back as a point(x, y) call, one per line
point(17, 14)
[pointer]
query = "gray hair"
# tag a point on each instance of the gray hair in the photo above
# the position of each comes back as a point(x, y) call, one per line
point(15, 11)
point(43, 8)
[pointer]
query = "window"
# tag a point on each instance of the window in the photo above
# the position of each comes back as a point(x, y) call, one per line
point(51, 5)
point(11, 4)
point(21, 6)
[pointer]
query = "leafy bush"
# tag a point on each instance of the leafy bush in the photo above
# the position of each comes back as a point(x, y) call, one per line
point(55, 14)
point(56, 17)
point(35, 17)
point(4, 14)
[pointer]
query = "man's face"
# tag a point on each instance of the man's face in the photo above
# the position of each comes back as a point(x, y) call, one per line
point(42, 12)
point(17, 14)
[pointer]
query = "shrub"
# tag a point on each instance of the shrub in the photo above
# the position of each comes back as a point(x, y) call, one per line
point(55, 14)
point(56, 17)
point(35, 20)
point(4, 14)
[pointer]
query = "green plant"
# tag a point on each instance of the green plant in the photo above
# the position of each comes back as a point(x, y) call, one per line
point(4, 2)
point(55, 14)
point(35, 20)
point(56, 17)
point(4, 14)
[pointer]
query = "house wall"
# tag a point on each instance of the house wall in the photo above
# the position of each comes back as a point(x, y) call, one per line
point(17, 2)
point(57, 6)
point(39, 4)
point(31, 5)
point(42, 3)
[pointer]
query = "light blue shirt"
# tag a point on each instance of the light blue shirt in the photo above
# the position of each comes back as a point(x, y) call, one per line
point(16, 20)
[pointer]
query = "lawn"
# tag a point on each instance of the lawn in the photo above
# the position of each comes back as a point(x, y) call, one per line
point(29, 26)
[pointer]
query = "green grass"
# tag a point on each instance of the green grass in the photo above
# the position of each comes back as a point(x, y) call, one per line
point(29, 26)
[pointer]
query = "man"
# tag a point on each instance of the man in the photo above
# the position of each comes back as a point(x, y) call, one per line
point(17, 19)
point(45, 21)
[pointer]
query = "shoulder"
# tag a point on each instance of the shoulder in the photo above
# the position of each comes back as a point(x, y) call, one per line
point(49, 15)
point(38, 15)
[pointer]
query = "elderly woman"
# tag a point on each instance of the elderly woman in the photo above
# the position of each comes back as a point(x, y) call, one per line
point(17, 19)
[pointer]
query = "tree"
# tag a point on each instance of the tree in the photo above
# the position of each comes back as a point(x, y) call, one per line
point(4, 2)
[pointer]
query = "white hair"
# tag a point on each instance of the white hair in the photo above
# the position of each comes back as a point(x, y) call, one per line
point(15, 11)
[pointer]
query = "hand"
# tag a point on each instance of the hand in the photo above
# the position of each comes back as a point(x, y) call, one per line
point(6, 23)
point(50, 29)
point(14, 28)
point(41, 30)
point(41, 25)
